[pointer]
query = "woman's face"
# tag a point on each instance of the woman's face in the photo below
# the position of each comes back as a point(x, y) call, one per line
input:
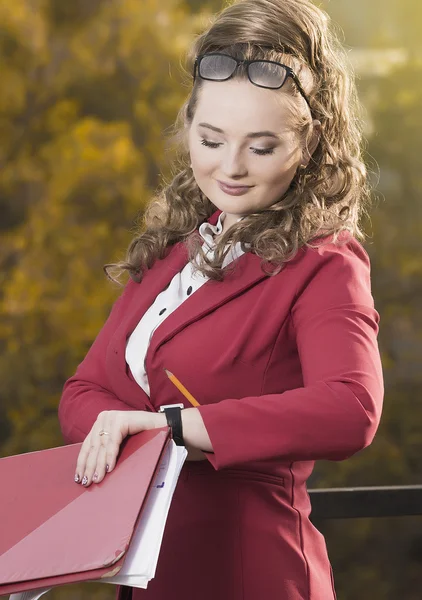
point(266, 161)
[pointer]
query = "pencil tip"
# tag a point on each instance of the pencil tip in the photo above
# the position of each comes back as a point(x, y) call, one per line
point(168, 373)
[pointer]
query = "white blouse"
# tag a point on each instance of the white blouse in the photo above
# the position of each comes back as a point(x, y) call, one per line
point(183, 284)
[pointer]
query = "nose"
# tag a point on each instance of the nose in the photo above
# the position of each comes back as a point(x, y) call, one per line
point(233, 164)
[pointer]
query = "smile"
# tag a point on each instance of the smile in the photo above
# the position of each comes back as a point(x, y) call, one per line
point(233, 190)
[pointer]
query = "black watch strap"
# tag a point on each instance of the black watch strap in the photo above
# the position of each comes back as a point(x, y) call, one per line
point(174, 420)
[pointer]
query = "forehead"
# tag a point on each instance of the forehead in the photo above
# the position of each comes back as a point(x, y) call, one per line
point(239, 106)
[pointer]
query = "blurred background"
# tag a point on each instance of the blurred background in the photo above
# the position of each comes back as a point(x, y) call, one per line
point(88, 89)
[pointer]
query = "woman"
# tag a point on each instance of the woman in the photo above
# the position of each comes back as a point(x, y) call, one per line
point(257, 297)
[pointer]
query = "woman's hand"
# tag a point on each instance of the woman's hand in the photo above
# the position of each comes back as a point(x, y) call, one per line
point(99, 453)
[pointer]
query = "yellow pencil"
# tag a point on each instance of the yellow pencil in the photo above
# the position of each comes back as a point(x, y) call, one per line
point(182, 388)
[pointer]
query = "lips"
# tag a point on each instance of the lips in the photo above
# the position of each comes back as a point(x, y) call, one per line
point(237, 190)
point(233, 187)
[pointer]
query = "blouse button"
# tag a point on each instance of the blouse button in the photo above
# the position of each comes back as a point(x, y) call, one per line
point(162, 311)
point(189, 290)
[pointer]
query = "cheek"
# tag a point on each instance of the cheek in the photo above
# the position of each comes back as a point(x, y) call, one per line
point(284, 171)
point(203, 161)
point(278, 175)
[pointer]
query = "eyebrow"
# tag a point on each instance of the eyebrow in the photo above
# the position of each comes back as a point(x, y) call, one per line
point(254, 134)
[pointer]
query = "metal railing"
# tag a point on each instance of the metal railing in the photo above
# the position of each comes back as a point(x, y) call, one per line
point(353, 502)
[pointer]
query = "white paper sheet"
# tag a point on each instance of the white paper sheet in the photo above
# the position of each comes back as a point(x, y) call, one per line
point(142, 556)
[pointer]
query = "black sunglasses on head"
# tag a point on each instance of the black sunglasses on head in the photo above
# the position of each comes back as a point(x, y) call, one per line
point(216, 66)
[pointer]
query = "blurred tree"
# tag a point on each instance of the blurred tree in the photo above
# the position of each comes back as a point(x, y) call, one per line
point(379, 23)
point(88, 90)
point(394, 104)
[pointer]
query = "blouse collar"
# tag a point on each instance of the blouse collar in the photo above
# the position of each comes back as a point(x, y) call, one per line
point(208, 231)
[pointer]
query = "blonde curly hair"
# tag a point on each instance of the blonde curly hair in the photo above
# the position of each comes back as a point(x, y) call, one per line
point(326, 198)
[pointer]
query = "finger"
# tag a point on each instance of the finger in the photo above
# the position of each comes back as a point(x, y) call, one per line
point(115, 423)
point(112, 452)
point(105, 451)
point(100, 470)
point(91, 463)
point(90, 460)
point(89, 450)
point(82, 458)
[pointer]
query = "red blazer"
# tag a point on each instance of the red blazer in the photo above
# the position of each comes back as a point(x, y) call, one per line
point(287, 371)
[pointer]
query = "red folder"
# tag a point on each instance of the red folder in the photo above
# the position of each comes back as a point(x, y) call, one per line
point(54, 531)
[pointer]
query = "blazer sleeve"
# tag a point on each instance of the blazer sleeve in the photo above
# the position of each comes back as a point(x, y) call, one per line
point(337, 411)
point(88, 391)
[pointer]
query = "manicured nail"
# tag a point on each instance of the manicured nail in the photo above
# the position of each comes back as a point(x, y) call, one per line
point(95, 476)
point(107, 467)
point(85, 480)
point(77, 478)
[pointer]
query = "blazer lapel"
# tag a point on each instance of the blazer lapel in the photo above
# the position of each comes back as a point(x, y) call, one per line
point(207, 298)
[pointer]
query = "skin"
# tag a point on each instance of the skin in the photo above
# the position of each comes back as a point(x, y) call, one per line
point(236, 107)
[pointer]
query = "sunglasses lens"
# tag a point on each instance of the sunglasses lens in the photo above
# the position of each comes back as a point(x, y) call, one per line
point(267, 74)
point(220, 66)
point(216, 66)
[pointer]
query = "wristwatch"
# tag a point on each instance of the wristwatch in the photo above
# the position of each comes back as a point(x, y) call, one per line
point(174, 420)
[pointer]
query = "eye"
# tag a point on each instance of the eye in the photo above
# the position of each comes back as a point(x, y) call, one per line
point(259, 151)
point(209, 144)
point(262, 151)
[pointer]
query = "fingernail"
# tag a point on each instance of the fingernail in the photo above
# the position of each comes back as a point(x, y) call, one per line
point(95, 476)
point(77, 478)
point(107, 467)
point(85, 480)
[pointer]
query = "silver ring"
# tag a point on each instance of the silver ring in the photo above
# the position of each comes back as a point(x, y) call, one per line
point(103, 432)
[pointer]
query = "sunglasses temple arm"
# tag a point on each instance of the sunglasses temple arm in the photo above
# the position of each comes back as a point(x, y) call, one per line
point(304, 96)
point(301, 91)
